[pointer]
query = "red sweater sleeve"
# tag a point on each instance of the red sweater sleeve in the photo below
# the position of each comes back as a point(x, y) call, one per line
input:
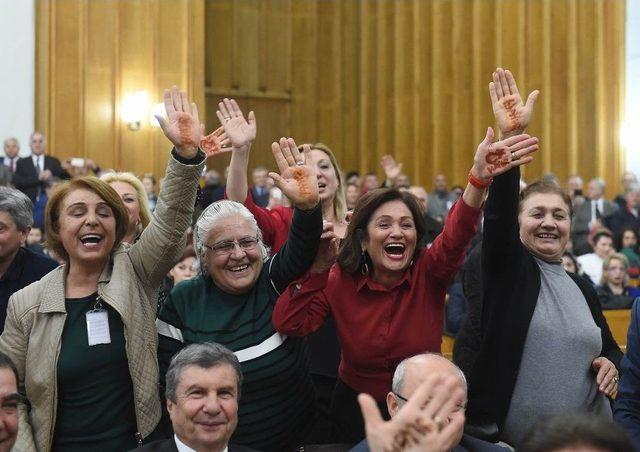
point(303, 307)
point(274, 223)
point(446, 255)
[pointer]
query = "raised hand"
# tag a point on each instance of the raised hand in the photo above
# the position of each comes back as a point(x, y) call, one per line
point(297, 178)
point(215, 143)
point(391, 169)
point(496, 158)
point(182, 126)
point(241, 132)
point(424, 423)
point(327, 251)
point(512, 115)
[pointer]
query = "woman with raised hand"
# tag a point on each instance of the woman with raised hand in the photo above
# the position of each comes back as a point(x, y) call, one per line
point(275, 224)
point(231, 302)
point(83, 337)
point(546, 348)
point(386, 293)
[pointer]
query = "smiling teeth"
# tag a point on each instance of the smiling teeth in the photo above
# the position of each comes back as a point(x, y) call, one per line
point(239, 268)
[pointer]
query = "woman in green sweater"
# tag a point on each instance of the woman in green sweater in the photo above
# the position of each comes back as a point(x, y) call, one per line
point(231, 302)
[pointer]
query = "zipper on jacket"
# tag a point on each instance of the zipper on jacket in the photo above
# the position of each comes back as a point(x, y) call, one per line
point(54, 407)
point(139, 439)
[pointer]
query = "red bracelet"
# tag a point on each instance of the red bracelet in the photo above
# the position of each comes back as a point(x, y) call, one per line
point(473, 180)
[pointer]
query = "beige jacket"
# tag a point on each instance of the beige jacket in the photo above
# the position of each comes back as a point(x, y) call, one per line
point(36, 314)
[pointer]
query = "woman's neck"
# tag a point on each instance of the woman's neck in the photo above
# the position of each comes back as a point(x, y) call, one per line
point(616, 289)
point(328, 214)
point(82, 279)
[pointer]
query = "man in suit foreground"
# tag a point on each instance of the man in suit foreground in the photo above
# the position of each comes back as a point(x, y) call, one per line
point(203, 390)
point(408, 382)
point(33, 172)
point(586, 215)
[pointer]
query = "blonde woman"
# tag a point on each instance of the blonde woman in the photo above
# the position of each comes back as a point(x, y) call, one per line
point(134, 197)
point(613, 291)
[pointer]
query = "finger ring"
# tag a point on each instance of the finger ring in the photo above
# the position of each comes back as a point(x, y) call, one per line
point(616, 379)
point(227, 119)
point(300, 163)
point(514, 157)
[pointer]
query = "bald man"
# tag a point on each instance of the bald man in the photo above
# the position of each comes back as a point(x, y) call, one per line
point(408, 376)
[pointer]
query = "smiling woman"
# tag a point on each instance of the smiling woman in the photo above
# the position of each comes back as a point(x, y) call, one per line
point(83, 337)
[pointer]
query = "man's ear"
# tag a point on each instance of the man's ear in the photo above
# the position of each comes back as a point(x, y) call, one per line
point(170, 406)
point(392, 404)
point(24, 234)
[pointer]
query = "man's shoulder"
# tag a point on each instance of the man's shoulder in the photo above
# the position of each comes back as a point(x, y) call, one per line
point(362, 446)
point(39, 262)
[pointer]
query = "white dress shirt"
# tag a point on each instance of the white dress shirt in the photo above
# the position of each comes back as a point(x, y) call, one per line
point(38, 162)
point(182, 447)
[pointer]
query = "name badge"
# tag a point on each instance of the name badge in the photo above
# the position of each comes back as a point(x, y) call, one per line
point(98, 327)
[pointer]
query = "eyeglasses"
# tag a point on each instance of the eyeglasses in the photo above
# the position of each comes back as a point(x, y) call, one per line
point(460, 406)
point(228, 246)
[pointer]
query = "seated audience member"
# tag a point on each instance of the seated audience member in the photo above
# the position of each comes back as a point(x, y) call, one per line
point(591, 263)
point(34, 241)
point(613, 291)
point(447, 383)
point(232, 299)
point(185, 268)
point(80, 167)
point(5, 175)
point(531, 306)
point(19, 266)
point(385, 286)
point(629, 245)
point(353, 177)
point(574, 187)
point(213, 189)
point(433, 227)
point(83, 337)
point(11, 403)
point(277, 199)
point(455, 310)
point(370, 182)
point(586, 215)
point(394, 177)
point(626, 409)
point(134, 198)
point(33, 171)
point(10, 159)
point(576, 433)
point(440, 199)
point(628, 215)
point(203, 389)
point(629, 179)
point(352, 195)
point(260, 189)
point(149, 183)
point(571, 265)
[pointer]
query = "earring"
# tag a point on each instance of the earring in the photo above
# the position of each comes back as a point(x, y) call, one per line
point(365, 267)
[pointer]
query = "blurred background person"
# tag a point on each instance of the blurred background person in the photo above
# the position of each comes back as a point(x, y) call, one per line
point(613, 291)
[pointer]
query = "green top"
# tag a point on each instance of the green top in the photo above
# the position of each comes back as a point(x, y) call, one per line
point(95, 392)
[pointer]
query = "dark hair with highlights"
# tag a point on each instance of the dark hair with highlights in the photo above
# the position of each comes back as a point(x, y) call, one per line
point(350, 255)
point(54, 209)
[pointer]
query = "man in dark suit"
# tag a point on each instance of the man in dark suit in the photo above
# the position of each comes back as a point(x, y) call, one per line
point(34, 171)
point(10, 159)
point(409, 375)
point(203, 389)
point(585, 216)
point(629, 215)
point(260, 190)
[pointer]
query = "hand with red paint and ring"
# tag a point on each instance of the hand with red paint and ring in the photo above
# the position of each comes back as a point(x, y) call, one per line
point(512, 115)
point(493, 159)
point(297, 179)
point(240, 131)
point(182, 126)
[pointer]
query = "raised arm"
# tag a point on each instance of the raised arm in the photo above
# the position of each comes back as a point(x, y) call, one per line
point(298, 182)
point(162, 242)
point(241, 133)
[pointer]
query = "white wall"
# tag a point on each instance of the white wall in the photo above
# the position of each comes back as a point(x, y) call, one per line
point(17, 66)
point(631, 133)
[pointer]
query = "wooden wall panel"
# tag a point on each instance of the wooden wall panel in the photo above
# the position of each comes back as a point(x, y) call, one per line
point(410, 78)
point(90, 54)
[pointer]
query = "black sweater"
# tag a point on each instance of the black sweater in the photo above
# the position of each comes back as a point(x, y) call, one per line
point(511, 285)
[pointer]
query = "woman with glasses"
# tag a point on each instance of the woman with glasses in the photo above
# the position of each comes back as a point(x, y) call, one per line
point(231, 302)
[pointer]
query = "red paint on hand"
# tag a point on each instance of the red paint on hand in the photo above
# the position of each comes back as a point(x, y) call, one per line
point(211, 145)
point(185, 128)
point(509, 104)
point(497, 159)
point(300, 176)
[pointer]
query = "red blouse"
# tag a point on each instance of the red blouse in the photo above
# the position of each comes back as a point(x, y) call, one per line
point(379, 327)
point(274, 223)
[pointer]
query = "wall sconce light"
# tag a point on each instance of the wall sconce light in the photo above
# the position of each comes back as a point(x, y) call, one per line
point(134, 109)
point(156, 109)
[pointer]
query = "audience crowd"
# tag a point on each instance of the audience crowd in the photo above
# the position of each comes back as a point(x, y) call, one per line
point(304, 308)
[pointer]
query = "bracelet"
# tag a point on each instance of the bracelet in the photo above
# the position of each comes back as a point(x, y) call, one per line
point(480, 185)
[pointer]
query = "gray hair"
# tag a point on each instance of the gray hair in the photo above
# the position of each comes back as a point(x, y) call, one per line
point(398, 375)
point(633, 188)
point(18, 205)
point(599, 182)
point(208, 220)
point(204, 355)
